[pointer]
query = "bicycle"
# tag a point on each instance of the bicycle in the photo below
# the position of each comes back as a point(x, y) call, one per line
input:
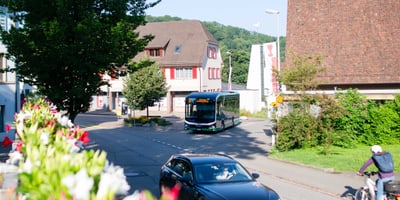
point(368, 191)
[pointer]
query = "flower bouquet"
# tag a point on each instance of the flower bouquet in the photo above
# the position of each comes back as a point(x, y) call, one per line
point(52, 162)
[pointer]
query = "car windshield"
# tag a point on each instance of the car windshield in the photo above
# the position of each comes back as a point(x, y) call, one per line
point(226, 172)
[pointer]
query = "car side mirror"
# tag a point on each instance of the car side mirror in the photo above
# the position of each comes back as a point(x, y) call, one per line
point(255, 175)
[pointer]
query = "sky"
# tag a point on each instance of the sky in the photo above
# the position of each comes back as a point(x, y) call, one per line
point(250, 15)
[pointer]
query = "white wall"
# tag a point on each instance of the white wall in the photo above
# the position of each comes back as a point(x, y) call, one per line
point(255, 74)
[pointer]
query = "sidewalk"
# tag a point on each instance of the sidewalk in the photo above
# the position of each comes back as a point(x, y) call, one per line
point(152, 112)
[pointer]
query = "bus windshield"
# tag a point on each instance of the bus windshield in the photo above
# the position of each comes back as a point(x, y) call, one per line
point(200, 109)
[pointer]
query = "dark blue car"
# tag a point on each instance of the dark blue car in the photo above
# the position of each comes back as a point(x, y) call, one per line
point(212, 176)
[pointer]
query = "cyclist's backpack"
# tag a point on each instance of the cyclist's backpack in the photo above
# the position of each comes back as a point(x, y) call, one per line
point(384, 162)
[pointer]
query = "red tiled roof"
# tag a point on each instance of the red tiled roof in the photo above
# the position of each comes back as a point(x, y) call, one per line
point(189, 36)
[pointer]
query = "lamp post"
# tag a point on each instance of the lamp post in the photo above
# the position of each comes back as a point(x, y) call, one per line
point(278, 59)
point(230, 71)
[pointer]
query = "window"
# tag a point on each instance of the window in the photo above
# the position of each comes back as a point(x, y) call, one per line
point(2, 66)
point(214, 73)
point(183, 73)
point(2, 115)
point(177, 49)
point(154, 52)
point(212, 52)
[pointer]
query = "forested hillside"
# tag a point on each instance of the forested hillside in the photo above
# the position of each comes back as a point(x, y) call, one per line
point(236, 40)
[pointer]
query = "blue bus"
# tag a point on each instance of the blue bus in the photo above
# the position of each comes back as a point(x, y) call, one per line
point(211, 111)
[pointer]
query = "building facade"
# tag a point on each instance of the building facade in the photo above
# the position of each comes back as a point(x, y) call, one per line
point(187, 54)
point(9, 87)
point(358, 41)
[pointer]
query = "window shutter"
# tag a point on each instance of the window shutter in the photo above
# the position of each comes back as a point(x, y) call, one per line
point(172, 72)
point(194, 72)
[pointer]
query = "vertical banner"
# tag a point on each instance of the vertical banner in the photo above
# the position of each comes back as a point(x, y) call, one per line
point(271, 66)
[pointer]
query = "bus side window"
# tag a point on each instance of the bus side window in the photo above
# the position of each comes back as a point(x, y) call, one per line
point(220, 111)
point(219, 107)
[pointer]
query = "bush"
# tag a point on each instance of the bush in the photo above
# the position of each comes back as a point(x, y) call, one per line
point(384, 126)
point(140, 120)
point(341, 121)
point(161, 122)
point(296, 130)
point(329, 114)
point(260, 114)
point(356, 114)
point(245, 113)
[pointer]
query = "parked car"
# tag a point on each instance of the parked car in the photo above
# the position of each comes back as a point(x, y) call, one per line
point(211, 176)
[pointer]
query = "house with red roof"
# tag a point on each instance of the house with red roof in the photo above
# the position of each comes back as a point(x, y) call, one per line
point(188, 55)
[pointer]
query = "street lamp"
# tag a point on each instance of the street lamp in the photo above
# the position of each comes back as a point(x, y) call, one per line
point(230, 71)
point(278, 60)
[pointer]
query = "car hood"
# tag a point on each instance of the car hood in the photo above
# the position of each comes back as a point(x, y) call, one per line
point(238, 190)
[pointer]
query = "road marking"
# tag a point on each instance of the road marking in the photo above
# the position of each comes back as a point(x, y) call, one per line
point(134, 174)
point(172, 145)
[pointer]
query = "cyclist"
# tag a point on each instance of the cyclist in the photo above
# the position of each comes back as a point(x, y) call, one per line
point(383, 176)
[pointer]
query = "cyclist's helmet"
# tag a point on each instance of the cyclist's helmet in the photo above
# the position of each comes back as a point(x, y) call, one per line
point(376, 149)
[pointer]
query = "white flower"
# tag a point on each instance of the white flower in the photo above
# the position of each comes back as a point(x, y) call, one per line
point(27, 167)
point(79, 185)
point(58, 116)
point(70, 124)
point(44, 137)
point(63, 120)
point(23, 115)
point(14, 158)
point(114, 180)
point(73, 147)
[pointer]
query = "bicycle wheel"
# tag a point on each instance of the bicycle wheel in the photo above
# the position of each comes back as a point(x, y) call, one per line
point(362, 194)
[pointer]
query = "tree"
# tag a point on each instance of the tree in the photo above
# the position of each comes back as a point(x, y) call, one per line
point(239, 62)
point(299, 128)
point(145, 86)
point(301, 76)
point(63, 46)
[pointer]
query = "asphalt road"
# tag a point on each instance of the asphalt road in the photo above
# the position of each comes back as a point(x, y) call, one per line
point(142, 150)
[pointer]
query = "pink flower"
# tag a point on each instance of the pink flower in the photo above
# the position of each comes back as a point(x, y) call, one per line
point(54, 110)
point(19, 146)
point(36, 106)
point(59, 132)
point(8, 128)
